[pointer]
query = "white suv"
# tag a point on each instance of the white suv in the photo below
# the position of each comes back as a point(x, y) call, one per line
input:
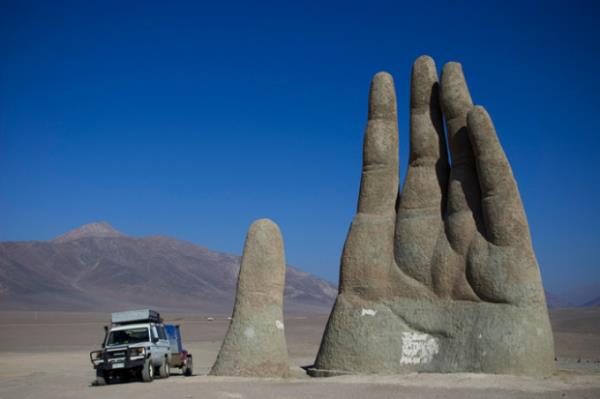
point(132, 348)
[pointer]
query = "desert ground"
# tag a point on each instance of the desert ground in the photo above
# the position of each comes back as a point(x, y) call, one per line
point(46, 355)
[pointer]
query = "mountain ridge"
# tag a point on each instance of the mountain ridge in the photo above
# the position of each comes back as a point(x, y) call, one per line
point(592, 303)
point(96, 267)
point(95, 229)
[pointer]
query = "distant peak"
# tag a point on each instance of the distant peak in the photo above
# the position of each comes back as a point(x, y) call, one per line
point(98, 229)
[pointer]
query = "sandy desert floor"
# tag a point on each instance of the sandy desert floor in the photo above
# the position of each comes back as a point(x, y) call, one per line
point(45, 355)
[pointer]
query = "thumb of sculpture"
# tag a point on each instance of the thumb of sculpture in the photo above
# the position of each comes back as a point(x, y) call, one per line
point(255, 343)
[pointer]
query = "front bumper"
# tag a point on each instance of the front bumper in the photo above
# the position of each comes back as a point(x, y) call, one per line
point(116, 366)
point(109, 362)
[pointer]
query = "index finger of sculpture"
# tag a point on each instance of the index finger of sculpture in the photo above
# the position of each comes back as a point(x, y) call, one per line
point(369, 248)
point(504, 217)
point(379, 181)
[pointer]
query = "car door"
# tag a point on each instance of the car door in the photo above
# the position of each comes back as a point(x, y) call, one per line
point(157, 351)
point(164, 342)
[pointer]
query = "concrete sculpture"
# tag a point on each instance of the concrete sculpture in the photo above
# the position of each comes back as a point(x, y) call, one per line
point(255, 343)
point(443, 277)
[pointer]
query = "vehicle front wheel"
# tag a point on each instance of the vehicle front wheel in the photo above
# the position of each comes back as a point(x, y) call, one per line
point(164, 369)
point(147, 371)
point(100, 380)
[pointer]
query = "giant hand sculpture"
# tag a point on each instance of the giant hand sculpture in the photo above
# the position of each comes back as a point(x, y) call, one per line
point(443, 277)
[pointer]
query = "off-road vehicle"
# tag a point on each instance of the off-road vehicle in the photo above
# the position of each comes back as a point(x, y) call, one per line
point(139, 345)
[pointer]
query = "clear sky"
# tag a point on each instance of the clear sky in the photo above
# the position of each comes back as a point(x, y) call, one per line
point(192, 119)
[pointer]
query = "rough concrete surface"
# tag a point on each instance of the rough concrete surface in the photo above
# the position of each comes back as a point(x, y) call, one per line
point(439, 276)
point(255, 342)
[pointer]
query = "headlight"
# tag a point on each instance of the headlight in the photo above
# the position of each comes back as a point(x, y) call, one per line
point(96, 357)
point(137, 353)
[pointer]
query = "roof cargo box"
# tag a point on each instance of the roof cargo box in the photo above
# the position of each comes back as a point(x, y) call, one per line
point(136, 316)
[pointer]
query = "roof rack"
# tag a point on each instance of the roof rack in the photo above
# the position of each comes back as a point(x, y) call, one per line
point(136, 316)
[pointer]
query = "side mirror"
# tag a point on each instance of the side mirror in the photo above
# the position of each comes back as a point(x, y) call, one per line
point(155, 340)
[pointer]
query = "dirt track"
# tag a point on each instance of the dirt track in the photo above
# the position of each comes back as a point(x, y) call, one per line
point(45, 355)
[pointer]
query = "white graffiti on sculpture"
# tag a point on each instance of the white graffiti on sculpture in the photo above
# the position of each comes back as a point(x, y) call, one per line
point(418, 348)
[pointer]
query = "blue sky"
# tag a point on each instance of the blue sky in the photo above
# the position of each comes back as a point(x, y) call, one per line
point(192, 119)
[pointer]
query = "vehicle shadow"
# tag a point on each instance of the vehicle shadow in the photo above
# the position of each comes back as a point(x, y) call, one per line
point(125, 379)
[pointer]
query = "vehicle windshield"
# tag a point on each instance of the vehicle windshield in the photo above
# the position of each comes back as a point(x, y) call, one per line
point(126, 337)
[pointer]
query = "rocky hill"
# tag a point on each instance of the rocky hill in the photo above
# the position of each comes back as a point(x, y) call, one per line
point(593, 303)
point(96, 267)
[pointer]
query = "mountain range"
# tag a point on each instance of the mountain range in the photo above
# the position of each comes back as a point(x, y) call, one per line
point(97, 268)
point(586, 295)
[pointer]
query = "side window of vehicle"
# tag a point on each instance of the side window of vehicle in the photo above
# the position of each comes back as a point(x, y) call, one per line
point(161, 333)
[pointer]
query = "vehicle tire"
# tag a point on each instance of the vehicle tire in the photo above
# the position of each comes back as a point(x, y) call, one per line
point(101, 379)
point(164, 369)
point(189, 368)
point(147, 371)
